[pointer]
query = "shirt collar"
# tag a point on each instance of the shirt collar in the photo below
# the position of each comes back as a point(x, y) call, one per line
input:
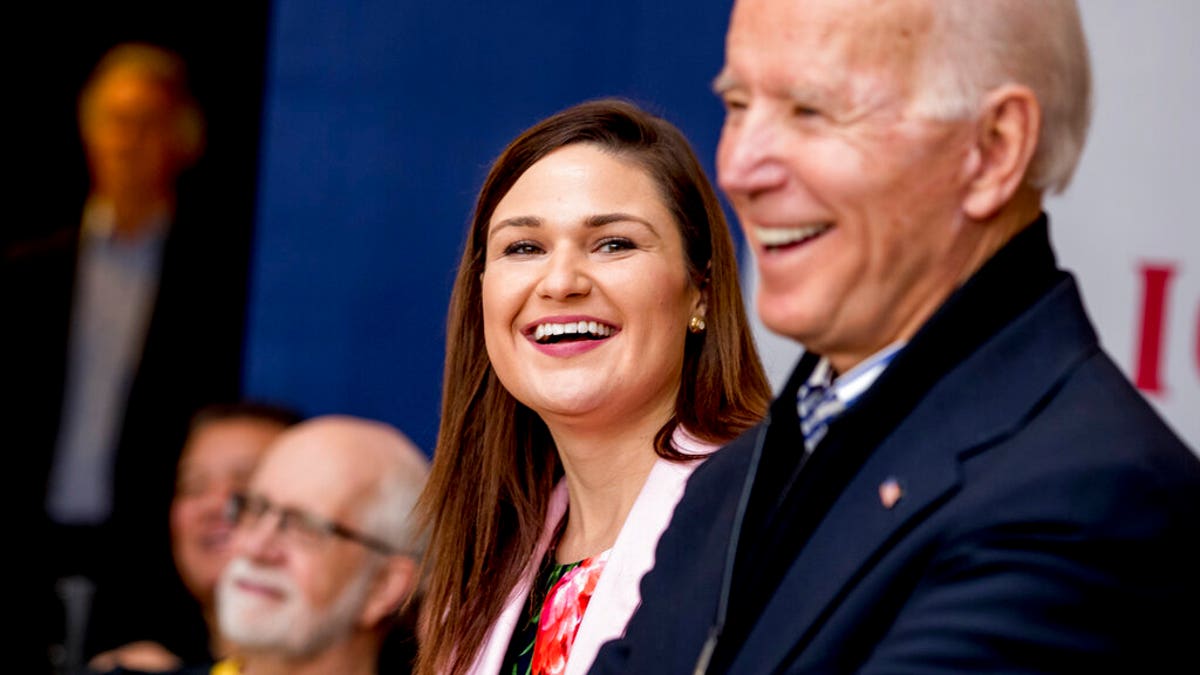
point(100, 222)
point(851, 384)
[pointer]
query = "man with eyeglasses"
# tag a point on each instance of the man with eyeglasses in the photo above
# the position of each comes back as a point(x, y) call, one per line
point(325, 553)
point(225, 443)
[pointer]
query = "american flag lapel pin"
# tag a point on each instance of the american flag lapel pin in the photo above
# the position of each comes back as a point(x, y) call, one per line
point(890, 492)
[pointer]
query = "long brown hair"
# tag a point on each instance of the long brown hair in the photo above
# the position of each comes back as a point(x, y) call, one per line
point(495, 464)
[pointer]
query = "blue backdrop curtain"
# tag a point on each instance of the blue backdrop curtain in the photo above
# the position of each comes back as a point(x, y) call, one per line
point(380, 120)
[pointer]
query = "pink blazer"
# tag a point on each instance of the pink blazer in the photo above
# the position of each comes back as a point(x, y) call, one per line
point(616, 595)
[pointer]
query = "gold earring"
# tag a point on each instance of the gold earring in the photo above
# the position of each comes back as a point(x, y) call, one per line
point(696, 324)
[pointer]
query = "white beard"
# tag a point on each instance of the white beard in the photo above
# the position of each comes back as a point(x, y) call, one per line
point(293, 628)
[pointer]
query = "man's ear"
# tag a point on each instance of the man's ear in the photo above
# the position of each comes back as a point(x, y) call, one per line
point(1006, 138)
point(394, 582)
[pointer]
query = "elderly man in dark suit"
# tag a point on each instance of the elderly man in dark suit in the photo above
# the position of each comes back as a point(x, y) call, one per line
point(956, 477)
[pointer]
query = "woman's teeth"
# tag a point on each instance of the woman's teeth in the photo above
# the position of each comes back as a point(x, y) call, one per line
point(553, 332)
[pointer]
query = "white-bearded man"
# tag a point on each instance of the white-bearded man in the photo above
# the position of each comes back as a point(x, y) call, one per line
point(325, 551)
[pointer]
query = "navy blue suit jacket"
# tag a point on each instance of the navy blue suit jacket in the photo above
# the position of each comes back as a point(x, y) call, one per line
point(1048, 522)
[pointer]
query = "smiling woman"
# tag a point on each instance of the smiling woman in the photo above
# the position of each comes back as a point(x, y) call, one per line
point(583, 238)
point(614, 355)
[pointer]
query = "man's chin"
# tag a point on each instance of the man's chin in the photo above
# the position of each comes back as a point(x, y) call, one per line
point(787, 323)
point(255, 627)
point(243, 615)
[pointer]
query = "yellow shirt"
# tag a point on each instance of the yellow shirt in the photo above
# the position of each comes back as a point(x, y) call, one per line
point(226, 667)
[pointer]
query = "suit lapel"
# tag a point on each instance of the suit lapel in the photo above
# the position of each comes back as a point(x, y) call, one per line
point(986, 397)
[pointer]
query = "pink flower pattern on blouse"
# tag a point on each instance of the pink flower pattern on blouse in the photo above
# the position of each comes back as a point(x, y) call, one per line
point(562, 613)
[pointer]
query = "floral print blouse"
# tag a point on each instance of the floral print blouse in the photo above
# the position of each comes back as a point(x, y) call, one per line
point(557, 602)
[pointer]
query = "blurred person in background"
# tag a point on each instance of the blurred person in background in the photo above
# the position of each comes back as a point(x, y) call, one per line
point(224, 446)
point(325, 554)
point(325, 551)
point(124, 320)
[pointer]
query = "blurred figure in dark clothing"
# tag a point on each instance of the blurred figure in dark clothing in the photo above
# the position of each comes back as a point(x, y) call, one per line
point(122, 322)
point(224, 446)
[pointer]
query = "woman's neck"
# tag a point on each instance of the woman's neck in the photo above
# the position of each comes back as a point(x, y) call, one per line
point(605, 471)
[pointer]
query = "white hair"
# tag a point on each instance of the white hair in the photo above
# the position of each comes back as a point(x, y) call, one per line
point(390, 472)
point(389, 515)
point(978, 45)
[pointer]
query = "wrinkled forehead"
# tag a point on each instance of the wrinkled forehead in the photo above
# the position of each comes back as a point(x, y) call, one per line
point(828, 40)
point(305, 473)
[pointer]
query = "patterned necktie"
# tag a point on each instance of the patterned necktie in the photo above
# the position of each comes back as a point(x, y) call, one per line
point(817, 404)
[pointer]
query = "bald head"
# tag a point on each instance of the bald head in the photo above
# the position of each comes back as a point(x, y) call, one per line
point(324, 550)
point(373, 470)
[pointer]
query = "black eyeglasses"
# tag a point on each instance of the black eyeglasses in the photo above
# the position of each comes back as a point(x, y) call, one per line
point(306, 529)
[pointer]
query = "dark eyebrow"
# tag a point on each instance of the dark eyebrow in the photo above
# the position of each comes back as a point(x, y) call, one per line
point(515, 221)
point(598, 220)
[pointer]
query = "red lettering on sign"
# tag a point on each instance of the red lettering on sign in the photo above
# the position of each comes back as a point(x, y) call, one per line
point(1148, 368)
